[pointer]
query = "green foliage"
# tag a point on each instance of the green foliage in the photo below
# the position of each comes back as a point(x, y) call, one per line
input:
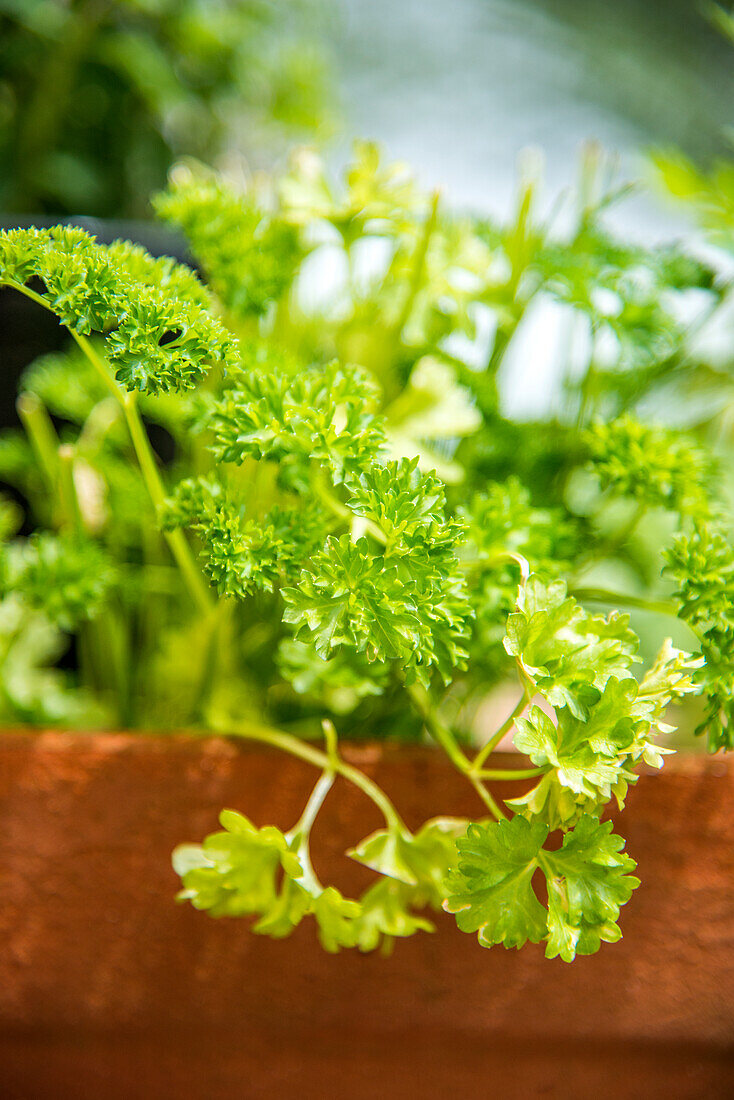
point(249, 258)
point(233, 872)
point(68, 579)
point(407, 601)
point(245, 871)
point(349, 598)
point(32, 691)
point(710, 196)
point(159, 333)
point(418, 860)
point(657, 467)
point(339, 682)
point(502, 521)
point(387, 914)
point(588, 880)
point(597, 736)
point(351, 527)
point(503, 528)
point(239, 556)
point(568, 654)
point(375, 199)
point(623, 291)
point(702, 564)
point(321, 415)
point(98, 100)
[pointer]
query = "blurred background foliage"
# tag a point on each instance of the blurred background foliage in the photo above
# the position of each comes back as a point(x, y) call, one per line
point(459, 89)
point(97, 98)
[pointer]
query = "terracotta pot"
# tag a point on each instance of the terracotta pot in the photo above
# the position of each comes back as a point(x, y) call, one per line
point(108, 989)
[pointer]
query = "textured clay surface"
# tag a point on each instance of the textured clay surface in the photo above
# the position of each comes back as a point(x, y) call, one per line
point(108, 989)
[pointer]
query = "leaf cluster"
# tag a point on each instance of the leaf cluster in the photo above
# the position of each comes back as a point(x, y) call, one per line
point(702, 564)
point(248, 257)
point(588, 879)
point(159, 333)
point(658, 467)
point(68, 579)
point(246, 871)
point(404, 601)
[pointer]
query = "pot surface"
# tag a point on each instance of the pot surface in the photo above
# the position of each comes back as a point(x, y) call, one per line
point(108, 988)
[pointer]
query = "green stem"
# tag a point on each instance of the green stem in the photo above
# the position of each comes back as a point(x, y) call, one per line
point(502, 341)
point(517, 248)
point(440, 732)
point(305, 823)
point(101, 419)
point(494, 741)
point(301, 831)
point(41, 434)
point(445, 738)
point(419, 264)
point(488, 799)
point(285, 742)
point(603, 595)
point(67, 490)
point(496, 559)
point(216, 623)
point(178, 545)
point(587, 384)
point(325, 495)
point(510, 773)
point(101, 366)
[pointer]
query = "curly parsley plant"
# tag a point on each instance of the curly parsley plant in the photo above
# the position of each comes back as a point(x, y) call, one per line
point(355, 533)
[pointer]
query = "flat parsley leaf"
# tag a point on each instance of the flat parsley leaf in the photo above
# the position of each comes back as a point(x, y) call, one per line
point(569, 653)
point(587, 878)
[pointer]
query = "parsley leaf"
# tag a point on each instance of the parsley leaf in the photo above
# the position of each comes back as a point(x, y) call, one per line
point(567, 652)
point(587, 878)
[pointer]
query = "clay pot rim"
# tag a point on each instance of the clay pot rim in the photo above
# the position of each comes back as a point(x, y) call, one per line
point(359, 753)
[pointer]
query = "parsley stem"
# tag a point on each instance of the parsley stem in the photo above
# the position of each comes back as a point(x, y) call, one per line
point(286, 742)
point(176, 540)
point(316, 799)
point(342, 511)
point(68, 499)
point(177, 543)
point(445, 738)
point(488, 799)
point(213, 646)
point(494, 741)
point(510, 773)
point(144, 452)
point(419, 265)
point(440, 732)
point(41, 434)
point(511, 556)
point(603, 595)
